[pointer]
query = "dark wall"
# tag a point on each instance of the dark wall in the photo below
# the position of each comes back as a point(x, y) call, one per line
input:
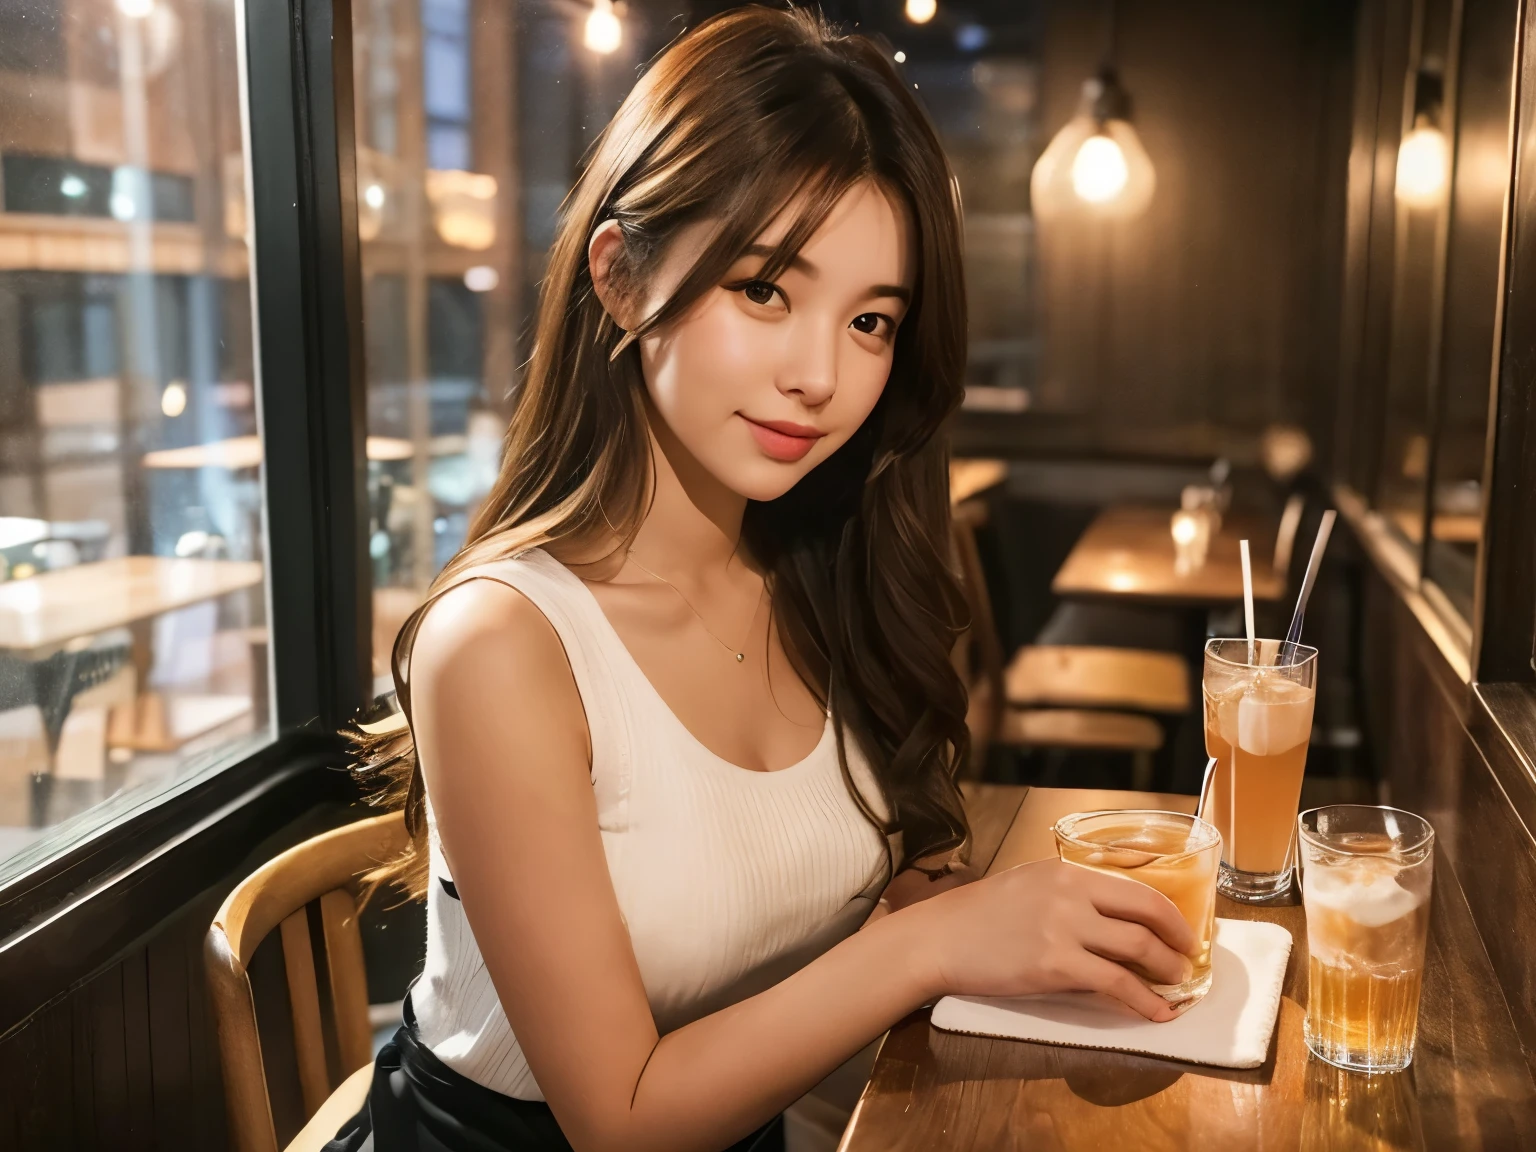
point(1218, 309)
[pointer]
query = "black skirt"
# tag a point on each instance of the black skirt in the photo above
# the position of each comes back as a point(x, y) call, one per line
point(416, 1103)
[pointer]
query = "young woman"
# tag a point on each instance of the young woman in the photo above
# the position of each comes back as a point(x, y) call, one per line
point(684, 706)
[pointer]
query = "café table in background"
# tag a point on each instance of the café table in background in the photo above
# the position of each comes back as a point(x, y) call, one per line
point(1127, 554)
point(1469, 1085)
point(47, 620)
point(972, 476)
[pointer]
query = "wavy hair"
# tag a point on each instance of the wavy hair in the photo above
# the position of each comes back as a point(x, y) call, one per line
point(753, 113)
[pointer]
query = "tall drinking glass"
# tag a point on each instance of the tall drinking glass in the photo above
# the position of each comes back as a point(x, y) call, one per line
point(1173, 852)
point(1365, 881)
point(1258, 723)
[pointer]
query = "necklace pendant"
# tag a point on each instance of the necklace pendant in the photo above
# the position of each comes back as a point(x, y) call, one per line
point(740, 656)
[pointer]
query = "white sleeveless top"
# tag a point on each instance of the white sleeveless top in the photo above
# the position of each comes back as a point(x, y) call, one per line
point(728, 879)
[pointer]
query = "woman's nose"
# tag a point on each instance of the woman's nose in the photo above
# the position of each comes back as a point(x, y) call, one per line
point(810, 368)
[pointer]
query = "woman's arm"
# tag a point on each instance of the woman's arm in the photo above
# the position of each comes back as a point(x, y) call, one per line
point(502, 739)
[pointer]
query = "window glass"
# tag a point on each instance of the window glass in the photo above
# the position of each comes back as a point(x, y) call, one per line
point(133, 647)
point(1478, 187)
point(472, 122)
point(1417, 284)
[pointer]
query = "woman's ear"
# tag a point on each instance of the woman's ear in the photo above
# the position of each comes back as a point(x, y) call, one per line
point(603, 252)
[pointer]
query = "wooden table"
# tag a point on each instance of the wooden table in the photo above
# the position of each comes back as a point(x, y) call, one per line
point(1127, 553)
point(971, 477)
point(41, 615)
point(1469, 1085)
point(239, 452)
point(45, 611)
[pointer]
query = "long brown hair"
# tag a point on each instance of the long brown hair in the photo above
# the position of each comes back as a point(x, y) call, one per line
point(750, 113)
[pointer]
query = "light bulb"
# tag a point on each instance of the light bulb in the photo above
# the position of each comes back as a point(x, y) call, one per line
point(921, 11)
point(135, 9)
point(1095, 166)
point(373, 196)
point(1423, 165)
point(1099, 172)
point(604, 31)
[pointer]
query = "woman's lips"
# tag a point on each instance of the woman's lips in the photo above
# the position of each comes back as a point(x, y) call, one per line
point(782, 441)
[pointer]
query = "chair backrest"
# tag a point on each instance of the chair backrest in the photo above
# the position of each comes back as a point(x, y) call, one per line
point(984, 674)
point(322, 871)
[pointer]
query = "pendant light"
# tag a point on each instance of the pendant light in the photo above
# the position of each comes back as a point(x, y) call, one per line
point(604, 30)
point(1424, 156)
point(1095, 166)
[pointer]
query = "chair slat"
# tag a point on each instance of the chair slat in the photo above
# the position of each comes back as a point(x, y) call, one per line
point(1086, 677)
point(304, 996)
point(1075, 728)
point(349, 979)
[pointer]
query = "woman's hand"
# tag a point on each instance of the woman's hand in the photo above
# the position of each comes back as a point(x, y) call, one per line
point(1052, 927)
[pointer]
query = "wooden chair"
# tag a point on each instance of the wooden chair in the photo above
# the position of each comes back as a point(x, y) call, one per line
point(1050, 696)
point(321, 871)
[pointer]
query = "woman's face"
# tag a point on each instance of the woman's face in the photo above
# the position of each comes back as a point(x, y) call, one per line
point(760, 382)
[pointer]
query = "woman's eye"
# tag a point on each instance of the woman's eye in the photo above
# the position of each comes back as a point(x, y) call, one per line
point(759, 292)
point(873, 323)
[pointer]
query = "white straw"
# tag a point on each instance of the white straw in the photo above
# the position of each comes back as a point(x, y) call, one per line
point(1293, 634)
point(1248, 600)
point(1203, 809)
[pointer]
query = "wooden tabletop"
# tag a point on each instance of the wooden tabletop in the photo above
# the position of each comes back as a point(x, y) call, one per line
point(1469, 1085)
point(970, 477)
point(1127, 553)
point(46, 610)
point(245, 452)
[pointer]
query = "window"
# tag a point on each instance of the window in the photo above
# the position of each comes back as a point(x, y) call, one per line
point(133, 647)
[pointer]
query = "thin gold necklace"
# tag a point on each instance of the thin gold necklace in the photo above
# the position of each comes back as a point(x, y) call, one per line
point(737, 652)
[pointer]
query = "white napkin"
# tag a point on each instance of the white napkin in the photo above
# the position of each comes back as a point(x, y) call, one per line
point(1230, 1028)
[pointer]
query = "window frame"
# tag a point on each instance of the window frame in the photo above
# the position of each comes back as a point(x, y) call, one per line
point(70, 916)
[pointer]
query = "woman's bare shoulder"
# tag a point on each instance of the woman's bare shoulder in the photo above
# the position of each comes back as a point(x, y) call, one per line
point(484, 635)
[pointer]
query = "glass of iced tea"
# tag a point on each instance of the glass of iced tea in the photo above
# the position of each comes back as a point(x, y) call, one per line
point(1365, 881)
point(1258, 723)
point(1175, 853)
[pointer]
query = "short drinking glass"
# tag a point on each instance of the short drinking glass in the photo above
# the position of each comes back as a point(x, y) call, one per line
point(1258, 723)
point(1365, 881)
point(1173, 852)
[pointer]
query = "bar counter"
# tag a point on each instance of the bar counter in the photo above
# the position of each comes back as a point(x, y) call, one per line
point(1469, 1086)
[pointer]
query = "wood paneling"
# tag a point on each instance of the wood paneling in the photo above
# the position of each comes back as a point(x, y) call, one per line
point(1455, 754)
point(126, 1061)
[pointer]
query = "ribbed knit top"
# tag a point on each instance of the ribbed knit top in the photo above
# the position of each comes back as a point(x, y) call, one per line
point(728, 879)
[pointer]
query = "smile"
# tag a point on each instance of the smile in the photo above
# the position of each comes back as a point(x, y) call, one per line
point(781, 439)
